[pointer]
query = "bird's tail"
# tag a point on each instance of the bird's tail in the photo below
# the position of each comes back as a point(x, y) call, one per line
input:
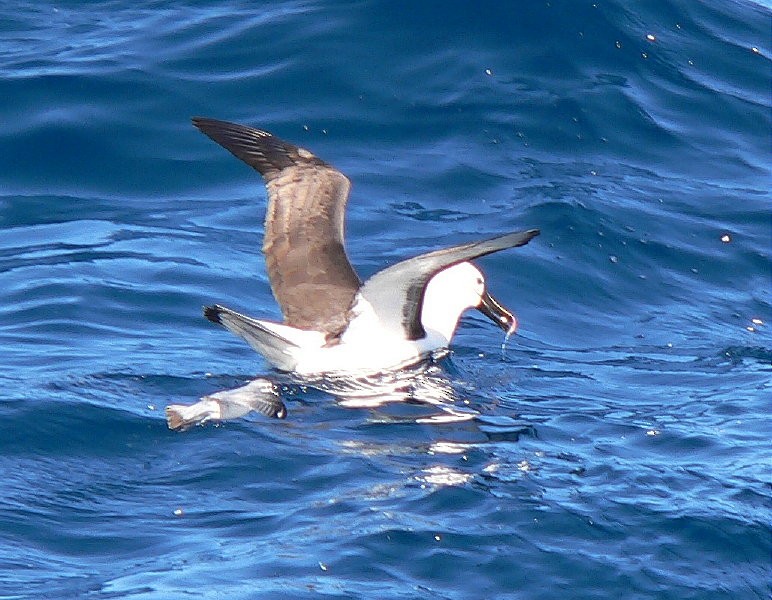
point(276, 348)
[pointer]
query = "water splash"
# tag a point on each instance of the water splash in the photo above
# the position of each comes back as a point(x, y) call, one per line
point(509, 333)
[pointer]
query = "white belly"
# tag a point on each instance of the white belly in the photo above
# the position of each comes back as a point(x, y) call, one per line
point(361, 358)
point(364, 348)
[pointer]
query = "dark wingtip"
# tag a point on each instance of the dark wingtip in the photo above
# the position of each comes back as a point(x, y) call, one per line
point(206, 124)
point(260, 149)
point(519, 238)
point(273, 408)
point(213, 313)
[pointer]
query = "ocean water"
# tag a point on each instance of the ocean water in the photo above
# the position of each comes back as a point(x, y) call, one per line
point(623, 444)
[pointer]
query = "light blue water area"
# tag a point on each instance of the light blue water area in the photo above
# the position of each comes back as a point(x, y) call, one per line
point(623, 445)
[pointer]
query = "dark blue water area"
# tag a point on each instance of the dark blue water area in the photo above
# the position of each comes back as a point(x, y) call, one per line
point(622, 448)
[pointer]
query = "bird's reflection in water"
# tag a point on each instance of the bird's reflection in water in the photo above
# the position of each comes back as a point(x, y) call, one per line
point(421, 394)
point(425, 385)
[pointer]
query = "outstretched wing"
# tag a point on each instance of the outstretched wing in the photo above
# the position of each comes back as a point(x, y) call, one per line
point(396, 293)
point(311, 276)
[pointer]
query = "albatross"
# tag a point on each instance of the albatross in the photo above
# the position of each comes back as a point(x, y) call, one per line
point(333, 322)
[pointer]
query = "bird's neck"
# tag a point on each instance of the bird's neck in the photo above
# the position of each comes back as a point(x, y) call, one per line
point(440, 314)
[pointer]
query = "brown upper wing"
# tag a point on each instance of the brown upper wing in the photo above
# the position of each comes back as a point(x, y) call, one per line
point(311, 276)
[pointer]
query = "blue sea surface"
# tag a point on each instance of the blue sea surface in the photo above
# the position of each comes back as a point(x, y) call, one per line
point(623, 444)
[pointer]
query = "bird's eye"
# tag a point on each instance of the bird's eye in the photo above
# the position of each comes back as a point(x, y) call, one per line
point(479, 281)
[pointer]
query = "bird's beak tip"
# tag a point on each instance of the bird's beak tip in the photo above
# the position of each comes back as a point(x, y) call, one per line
point(494, 310)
